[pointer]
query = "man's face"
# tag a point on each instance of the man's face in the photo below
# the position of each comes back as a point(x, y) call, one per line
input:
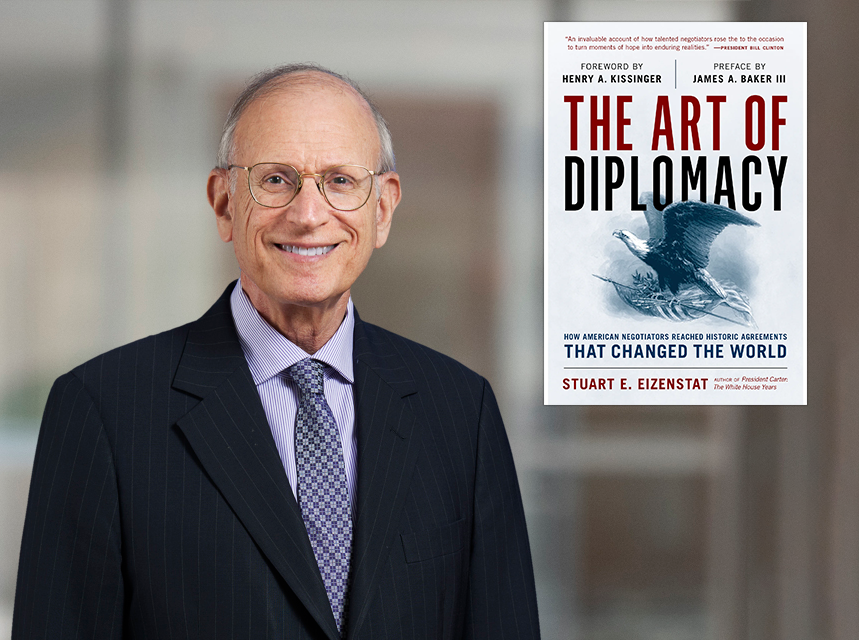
point(312, 127)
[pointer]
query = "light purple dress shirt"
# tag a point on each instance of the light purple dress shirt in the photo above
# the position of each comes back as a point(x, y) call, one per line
point(269, 353)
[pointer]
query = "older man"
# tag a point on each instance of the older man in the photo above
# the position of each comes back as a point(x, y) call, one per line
point(279, 468)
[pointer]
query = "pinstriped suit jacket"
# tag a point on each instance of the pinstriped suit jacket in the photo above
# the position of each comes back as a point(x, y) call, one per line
point(159, 507)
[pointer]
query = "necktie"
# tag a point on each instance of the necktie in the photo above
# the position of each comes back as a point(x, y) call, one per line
point(322, 490)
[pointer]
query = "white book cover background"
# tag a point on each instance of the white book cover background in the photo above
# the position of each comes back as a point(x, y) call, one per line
point(725, 97)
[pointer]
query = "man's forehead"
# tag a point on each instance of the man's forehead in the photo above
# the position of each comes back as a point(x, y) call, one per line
point(302, 102)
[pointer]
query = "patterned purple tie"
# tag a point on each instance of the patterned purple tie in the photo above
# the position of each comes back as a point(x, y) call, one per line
point(322, 491)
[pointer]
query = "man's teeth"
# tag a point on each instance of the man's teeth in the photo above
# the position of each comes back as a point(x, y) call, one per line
point(307, 251)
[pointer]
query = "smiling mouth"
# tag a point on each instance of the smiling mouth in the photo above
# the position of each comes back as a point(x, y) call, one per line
point(306, 251)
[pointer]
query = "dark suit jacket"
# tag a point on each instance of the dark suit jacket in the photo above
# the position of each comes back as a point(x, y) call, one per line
point(159, 507)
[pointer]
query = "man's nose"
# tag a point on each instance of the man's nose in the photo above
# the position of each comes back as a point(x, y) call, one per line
point(309, 206)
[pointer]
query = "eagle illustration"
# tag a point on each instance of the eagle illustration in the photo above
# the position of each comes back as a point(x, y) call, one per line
point(678, 249)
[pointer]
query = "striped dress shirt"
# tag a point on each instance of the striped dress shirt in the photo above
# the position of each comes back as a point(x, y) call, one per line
point(269, 353)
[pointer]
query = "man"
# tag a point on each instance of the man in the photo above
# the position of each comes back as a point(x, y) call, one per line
point(279, 468)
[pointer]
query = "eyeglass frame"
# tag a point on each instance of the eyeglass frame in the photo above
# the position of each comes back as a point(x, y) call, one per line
point(373, 175)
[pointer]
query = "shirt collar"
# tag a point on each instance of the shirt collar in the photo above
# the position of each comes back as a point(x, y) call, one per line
point(268, 352)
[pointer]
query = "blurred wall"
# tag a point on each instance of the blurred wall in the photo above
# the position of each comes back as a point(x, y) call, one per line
point(810, 471)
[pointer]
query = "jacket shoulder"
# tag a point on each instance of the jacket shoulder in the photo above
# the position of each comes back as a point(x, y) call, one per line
point(162, 350)
point(157, 357)
point(408, 363)
point(409, 349)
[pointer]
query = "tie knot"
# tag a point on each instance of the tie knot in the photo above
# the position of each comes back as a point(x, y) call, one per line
point(307, 374)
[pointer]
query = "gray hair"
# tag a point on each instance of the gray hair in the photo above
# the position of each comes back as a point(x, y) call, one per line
point(268, 81)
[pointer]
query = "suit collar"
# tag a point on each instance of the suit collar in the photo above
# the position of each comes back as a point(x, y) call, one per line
point(212, 351)
point(388, 446)
point(268, 352)
point(231, 438)
point(374, 348)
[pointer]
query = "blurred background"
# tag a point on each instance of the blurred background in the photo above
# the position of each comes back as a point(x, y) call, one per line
point(668, 523)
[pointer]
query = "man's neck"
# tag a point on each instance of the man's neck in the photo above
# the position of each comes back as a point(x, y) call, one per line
point(308, 327)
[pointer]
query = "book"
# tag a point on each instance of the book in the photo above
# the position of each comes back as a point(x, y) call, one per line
point(675, 213)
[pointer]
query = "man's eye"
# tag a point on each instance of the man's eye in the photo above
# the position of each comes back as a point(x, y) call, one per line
point(277, 181)
point(340, 181)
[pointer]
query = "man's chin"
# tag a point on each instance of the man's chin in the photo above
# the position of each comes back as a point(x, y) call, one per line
point(307, 297)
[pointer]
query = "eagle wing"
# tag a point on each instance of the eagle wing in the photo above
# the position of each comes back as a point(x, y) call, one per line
point(691, 227)
point(653, 216)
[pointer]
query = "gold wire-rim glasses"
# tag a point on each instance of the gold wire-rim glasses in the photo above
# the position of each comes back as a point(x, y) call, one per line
point(320, 184)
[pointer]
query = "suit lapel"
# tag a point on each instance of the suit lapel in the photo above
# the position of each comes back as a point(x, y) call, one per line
point(230, 436)
point(387, 451)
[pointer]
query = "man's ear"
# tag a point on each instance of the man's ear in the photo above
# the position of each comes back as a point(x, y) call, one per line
point(388, 201)
point(218, 191)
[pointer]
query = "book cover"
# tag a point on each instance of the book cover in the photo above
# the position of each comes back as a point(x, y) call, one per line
point(675, 213)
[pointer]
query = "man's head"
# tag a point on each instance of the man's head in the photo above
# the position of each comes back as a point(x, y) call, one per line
point(312, 120)
point(280, 77)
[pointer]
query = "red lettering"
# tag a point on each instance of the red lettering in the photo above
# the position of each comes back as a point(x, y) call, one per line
point(662, 124)
point(574, 120)
point(716, 101)
point(689, 122)
point(755, 104)
point(777, 121)
point(621, 123)
point(597, 122)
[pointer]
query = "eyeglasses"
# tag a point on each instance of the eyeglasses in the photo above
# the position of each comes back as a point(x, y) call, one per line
point(345, 187)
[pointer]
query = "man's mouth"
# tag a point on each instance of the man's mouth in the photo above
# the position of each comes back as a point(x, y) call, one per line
point(305, 251)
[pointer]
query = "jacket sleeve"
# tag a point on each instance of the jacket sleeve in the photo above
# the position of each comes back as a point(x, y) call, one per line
point(70, 581)
point(502, 597)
